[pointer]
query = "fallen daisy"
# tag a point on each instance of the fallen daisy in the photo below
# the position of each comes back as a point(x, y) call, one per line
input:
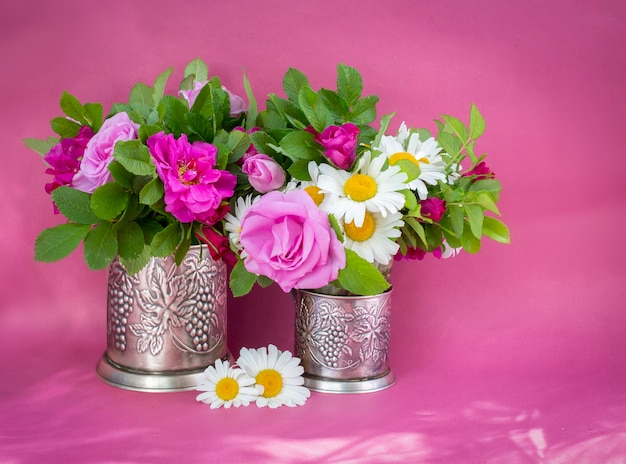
point(224, 385)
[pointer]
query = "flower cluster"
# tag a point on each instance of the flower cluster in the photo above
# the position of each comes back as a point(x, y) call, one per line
point(266, 376)
point(305, 193)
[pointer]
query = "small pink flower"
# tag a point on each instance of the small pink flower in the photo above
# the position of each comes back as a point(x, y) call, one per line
point(237, 104)
point(418, 254)
point(433, 208)
point(98, 154)
point(64, 158)
point(480, 171)
point(264, 174)
point(194, 189)
point(339, 144)
point(287, 238)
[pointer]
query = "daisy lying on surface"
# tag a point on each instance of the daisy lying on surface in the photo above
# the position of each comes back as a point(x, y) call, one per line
point(267, 376)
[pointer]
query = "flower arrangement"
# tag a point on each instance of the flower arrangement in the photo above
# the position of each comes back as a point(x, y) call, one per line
point(305, 193)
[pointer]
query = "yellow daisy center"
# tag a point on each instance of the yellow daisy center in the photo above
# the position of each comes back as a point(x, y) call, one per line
point(403, 155)
point(227, 389)
point(361, 234)
point(315, 193)
point(272, 382)
point(360, 187)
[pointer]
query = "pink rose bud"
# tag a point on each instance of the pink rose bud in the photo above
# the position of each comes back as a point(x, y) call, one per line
point(480, 171)
point(264, 174)
point(340, 143)
point(433, 208)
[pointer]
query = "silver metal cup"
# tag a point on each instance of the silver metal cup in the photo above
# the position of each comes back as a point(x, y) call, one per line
point(166, 323)
point(343, 341)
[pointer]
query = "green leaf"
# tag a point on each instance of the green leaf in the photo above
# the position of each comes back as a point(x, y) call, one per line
point(131, 241)
point(151, 192)
point(470, 243)
point(457, 219)
point(173, 112)
point(300, 145)
point(182, 250)
point(293, 82)
point(73, 108)
point(457, 126)
point(109, 200)
point(159, 86)
point(410, 168)
point(241, 281)
point(349, 84)
point(364, 111)
point(417, 227)
point(449, 143)
point(93, 115)
point(238, 143)
point(384, 125)
point(477, 123)
point(300, 170)
point(252, 112)
point(75, 205)
point(141, 100)
point(64, 127)
point(335, 104)
point(41, 146)
point(100, 246)
point(198, 69)
point(486, 201)
point(262, 141)
point(135, 157)
point(134, 265)
point(485, 185)
point(58, 242)
point(164, 243)
point(496, 230)
point(361, 277)
point(120, 174)
point(475, 217)
point(314, 110)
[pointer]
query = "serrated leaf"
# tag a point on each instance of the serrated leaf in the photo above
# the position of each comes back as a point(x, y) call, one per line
point(198, 69)
point(140, 98)
point(42, 147)
point(496, 230)
point(449, 143)
point(241, 281)
point(293, 82)
point(316, 113)
point(475, 217)
point(93, 115)
point(64, 127)
point(159, 86)
point(164, 243)
point(134, 265)
point(75, 205)
point(120, 174)
point(100, 246)
point(335, 104)
point(300, 170)
point(130, 240)
point(152, 192)
point(364, 111)
point(477, 123)
point(457, 126)
point(173, 112)
point(135, 157)
point(300, 145)
point(470, 243)
point(361, 277)
point(349, 84)
point(109, 200)
point(72, 107)
point(238, 143)
point(58, 242)
point(485, 185)
point(486, 201)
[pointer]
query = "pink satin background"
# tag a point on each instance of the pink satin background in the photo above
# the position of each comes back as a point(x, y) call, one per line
point(513, 355)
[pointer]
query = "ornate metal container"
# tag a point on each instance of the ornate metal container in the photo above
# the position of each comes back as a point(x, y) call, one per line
point(166, 323)
point(343, 341)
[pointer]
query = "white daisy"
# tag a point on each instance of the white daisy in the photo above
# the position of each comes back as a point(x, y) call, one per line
point(407, 146)
point(374, 240)
point(233, 222)
point(370, 187)
point(279, 375)
point(448, 252)
point(226, 386)
point(324, 200)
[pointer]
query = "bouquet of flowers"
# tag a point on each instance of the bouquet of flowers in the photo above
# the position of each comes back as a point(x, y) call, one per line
point(333, 201)
point(305, 193)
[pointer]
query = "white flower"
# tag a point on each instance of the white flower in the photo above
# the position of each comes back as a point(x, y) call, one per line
point(407, 146)
point(448, 252)
point(279, 375)
point(374, 241)
point(226, 386)
point(233, 222)
point(368, 188)
point(324, 200)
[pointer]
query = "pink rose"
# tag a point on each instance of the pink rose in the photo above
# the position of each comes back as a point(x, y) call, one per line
point(433, 208)
point(287, 238)
point(194, 189)
point(237, 104)
point(98, 154)
point(264, 174)
point(339, 144)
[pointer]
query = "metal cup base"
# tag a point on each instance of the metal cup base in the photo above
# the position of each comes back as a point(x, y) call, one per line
point(327, 385)
point(155, 382)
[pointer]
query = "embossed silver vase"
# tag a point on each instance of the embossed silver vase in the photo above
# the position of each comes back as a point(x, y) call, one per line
point(343, 341)
point(166, 323)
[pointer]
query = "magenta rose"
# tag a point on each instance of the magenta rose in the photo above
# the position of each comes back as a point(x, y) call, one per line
point(64, 158)
point(479, 172)
point(433, 208)
point(287, 238)
point(237, 104)
point(98, 154)
point(339, 144)
point(416, 254)
point(194, 189)
point(264, 174)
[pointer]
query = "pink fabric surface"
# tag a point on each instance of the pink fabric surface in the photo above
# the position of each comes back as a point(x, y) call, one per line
point(514, 355)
